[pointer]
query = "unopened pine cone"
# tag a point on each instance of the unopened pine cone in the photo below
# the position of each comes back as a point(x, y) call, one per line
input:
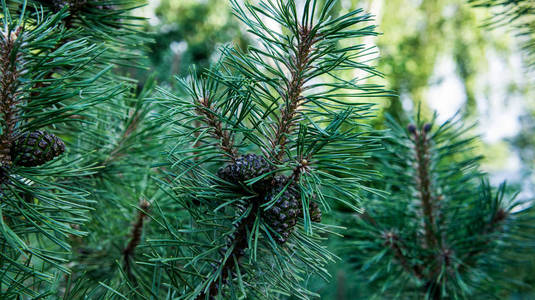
point(282, 216)
point(36, 148)
point(246, 167)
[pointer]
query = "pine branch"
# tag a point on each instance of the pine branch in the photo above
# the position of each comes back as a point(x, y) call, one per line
point(393, 241)
point(284, 113)
point(519, 15)
point(293, 91)
point(50, 77)
point(466, 242)
point(226, 142)
point(135, 239)
point(238, 243)
point(423, 180)
point(493, 226)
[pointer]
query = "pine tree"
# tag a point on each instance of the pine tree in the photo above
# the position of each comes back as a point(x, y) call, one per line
point(442, 231)
point(58, 98)
point(262, 143)
point(218, 190)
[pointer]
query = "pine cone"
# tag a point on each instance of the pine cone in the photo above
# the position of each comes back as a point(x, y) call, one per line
point(246, 167)
point(427, 127)
point(283, 215)
point(314, 211)
point(59, 4)
point(411, 128)
point(36, 148)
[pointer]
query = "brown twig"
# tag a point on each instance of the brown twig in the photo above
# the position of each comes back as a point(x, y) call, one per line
point(240, 243)
point(137, 229)
point(367, 217)
point(393, 241)
point(226, 141)
point(9, 94)
point(293, 92)
point(423, 181)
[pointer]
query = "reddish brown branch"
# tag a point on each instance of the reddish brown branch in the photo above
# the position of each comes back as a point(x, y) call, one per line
point(240, 243)
point(226, 141)
point(135, 239)
point(293, 92)
point(394, 243)
point(423, 181)
point(367, 217)
point(9, 94)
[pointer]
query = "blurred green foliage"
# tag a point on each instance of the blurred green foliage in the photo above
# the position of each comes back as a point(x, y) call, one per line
point(189, 32)
point(417, 34)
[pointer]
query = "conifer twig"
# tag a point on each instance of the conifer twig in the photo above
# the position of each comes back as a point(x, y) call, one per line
point(137, 229)
point(226, 142)
point(293, 91)
point(118, 150)
point(494, 224)
point(239, 243)
point(423, 180)
point(394, 243)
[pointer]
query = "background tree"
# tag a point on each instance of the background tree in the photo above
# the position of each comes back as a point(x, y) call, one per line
point(442, 231)
point(187, 33)
point(520, 15)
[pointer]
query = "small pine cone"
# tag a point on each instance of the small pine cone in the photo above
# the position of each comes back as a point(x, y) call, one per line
point(411, 128)
point(246, 167)
point(36, 148)
point(106, 7)
point(74, 4)
point(314, 211)
point(427, 127)
point(282, 216)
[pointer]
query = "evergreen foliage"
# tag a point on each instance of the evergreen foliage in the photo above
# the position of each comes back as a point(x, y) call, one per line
point(442, 232)
point(110, 189)
point(59, 94)
point(258, 139)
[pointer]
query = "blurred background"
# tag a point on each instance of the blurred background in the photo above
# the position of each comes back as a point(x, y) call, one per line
point(435, 54)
